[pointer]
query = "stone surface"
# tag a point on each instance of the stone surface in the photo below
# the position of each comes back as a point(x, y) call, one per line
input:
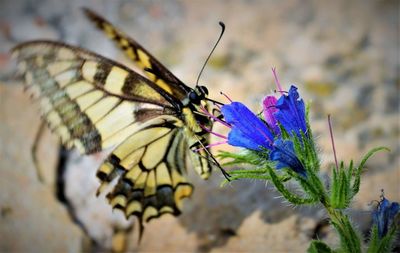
point(341, 55)
point(32, 220)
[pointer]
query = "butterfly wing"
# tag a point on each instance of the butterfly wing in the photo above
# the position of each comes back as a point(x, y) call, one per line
point(150, 164)
point(90, 101)
point(93, 102)
point(154, 70)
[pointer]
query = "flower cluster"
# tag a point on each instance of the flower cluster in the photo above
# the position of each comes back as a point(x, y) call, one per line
point(284, 121)
point(280, 138)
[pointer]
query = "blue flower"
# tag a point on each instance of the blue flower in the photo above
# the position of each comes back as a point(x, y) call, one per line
point(283, 153)
point(384, 215)
point(291, 112)
point(248, 131)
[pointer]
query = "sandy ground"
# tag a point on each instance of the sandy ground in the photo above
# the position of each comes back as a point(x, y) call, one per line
point(342, 55)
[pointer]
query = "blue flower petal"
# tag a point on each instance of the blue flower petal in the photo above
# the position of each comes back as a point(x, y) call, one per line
point(248, 131)
point(291, 112)
point(283, 153)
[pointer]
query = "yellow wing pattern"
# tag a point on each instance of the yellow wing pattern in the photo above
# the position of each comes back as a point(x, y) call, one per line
point(150, 164)
point(93, 103)
point(153, 69)
point(89, 101)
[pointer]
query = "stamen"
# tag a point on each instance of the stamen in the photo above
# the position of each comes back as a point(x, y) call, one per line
point(214, 118)
point(278, 84)
point(266, 136)
point(210, 145)
point(382, 194)
point(282, 92)
point(332, 141)
point(211, 132)
point(223, 94)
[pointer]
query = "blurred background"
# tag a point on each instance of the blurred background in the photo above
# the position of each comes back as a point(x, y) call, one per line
point(343, 56)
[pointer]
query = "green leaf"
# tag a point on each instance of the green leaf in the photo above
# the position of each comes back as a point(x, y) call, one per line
point(319, 247)
point(258, 173)
point(242, 157)
point(357, 176)
point(341, 193)
point(289, 196)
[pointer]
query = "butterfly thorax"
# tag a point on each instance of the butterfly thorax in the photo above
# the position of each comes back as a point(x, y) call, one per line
point(191, 108)
point(190, 120)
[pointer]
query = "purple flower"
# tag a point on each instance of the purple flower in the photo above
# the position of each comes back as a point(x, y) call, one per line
point(283, 153)
point(288, 110)
point(248, 131)
point(269, 105)
point(384, 215)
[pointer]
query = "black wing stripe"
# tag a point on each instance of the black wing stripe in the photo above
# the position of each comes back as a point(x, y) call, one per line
point(154, 70)
point(148, 188)
point(102, 72)
point(72, 102)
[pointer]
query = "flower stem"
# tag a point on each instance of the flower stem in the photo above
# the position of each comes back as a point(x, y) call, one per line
point(349, 238)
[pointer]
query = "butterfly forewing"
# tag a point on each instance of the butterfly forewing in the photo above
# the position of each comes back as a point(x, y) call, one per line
point(153, 69)
point(88, 100)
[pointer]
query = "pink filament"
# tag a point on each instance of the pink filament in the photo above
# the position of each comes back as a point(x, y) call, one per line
point(333, 141)
point(266, 136)
point(230, 100)
point(278, 84)
point(213, 117)
point(214, 133)
point(211, 145)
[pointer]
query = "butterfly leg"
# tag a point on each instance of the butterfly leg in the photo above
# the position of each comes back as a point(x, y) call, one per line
point(194, 148)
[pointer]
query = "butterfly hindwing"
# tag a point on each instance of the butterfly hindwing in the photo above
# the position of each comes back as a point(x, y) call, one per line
point(89, 101)
point(150, 165)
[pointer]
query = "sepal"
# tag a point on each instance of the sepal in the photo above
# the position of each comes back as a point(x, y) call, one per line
point(317, 246)
point(384, 244)
point(341, 192)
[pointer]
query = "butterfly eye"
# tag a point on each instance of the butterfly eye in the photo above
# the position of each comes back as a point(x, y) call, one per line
point(193, 97)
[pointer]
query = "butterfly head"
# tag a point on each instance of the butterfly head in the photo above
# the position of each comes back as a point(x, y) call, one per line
point(197, 95)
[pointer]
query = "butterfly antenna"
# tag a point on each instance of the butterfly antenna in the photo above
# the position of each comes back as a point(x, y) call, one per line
point(205, 63)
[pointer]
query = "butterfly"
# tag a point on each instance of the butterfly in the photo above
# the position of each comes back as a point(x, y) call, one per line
point(94, 103)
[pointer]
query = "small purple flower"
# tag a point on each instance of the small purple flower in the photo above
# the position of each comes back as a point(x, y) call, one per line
point(283, 153)
point(384, 215)
point(248, 131)
point(288, 110)
point(269, 105)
